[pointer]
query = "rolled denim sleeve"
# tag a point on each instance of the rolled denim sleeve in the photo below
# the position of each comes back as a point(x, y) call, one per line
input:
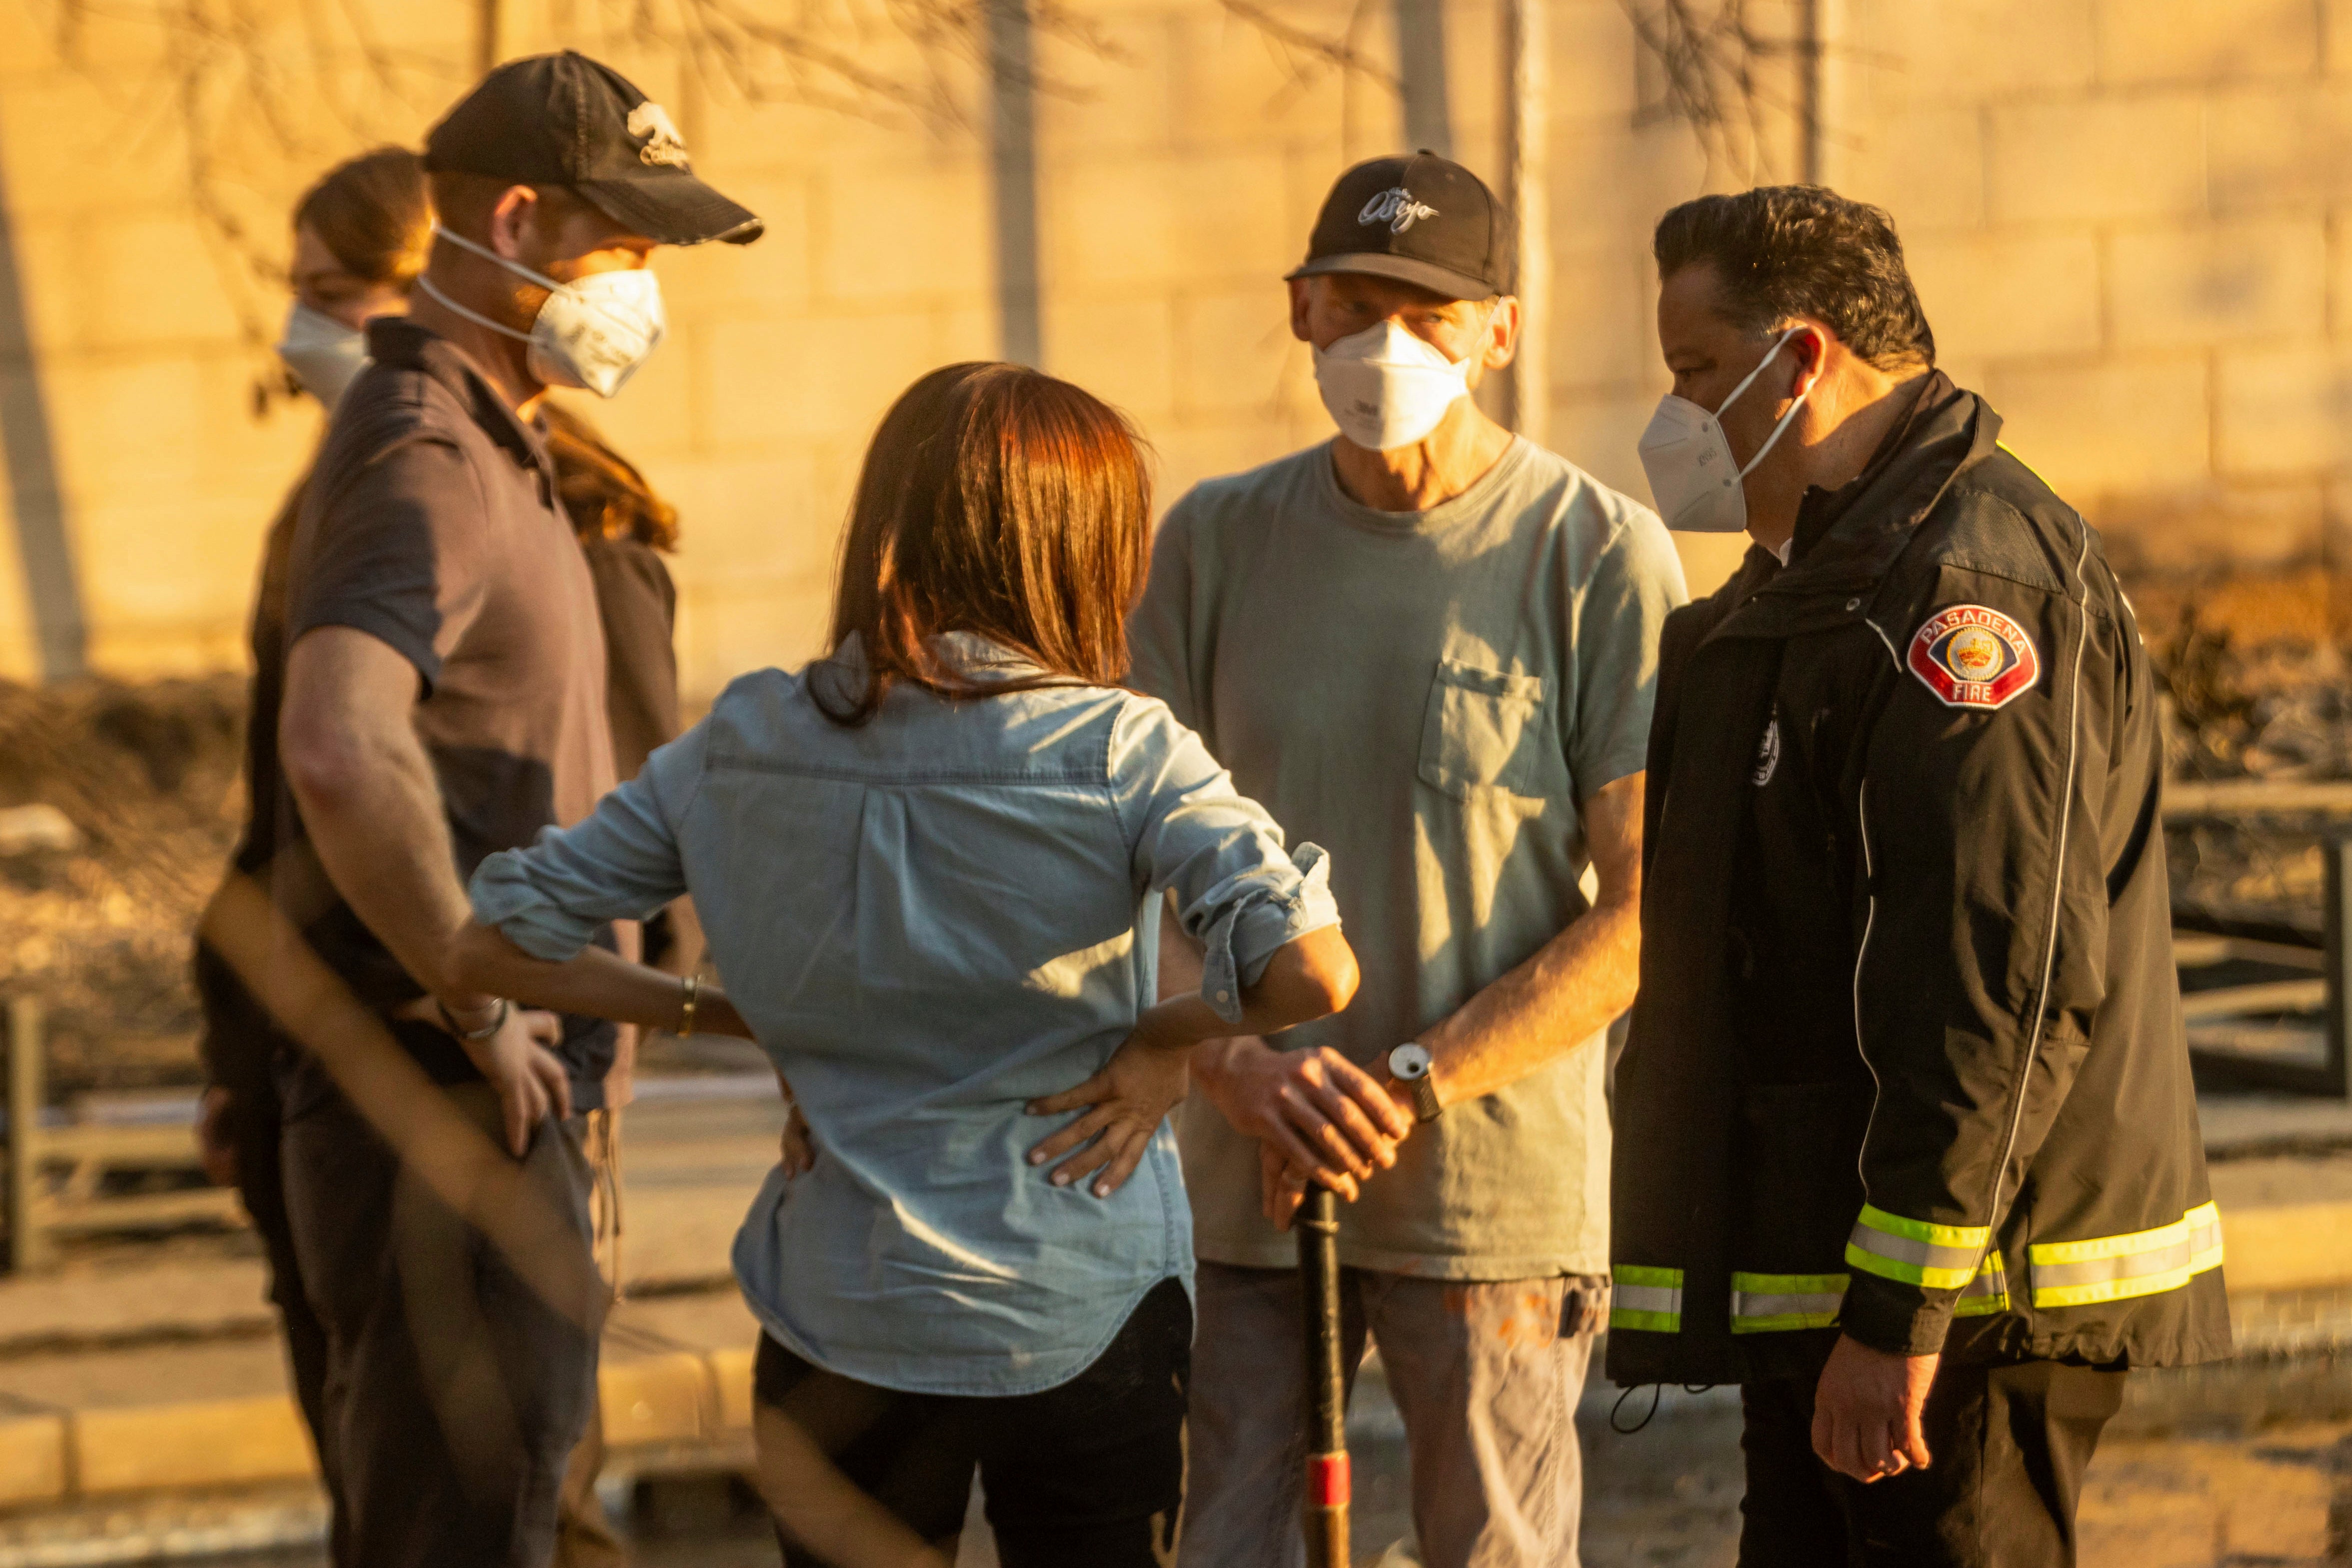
point(1238, 892)
point(621, 862)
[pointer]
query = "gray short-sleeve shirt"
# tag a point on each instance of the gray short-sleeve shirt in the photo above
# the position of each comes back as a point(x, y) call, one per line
point(431, 523)
point(1432, 697)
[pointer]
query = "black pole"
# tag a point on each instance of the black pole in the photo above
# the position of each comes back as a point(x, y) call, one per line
point(1327, 1480)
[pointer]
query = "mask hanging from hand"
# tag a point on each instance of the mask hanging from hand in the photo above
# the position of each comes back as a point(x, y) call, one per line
point(323, 355)
point(592, 332)
point(1386, 388)
point(1692, 475)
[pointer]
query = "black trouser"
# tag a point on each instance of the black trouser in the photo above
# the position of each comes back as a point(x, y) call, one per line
point(454, 1391)
point(2008, 1443)
point(1087, 1474)
point(254, 1129)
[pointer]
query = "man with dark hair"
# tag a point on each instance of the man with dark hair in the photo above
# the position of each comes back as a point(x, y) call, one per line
point(1907, 1144)
point(1428, 645)
point(443, 699)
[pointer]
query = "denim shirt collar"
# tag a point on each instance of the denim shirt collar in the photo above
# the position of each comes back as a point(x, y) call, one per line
point(966, 653)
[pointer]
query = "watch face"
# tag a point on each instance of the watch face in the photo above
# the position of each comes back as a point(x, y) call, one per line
point(1410, 1061)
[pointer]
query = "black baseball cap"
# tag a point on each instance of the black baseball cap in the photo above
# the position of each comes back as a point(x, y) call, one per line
point(1423, 219)
point(566, 119)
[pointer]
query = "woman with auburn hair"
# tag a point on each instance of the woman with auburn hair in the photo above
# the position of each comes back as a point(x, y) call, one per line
point(931, 865)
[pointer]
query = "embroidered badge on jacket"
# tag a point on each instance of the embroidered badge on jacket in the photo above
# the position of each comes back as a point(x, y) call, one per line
point(1972, 656)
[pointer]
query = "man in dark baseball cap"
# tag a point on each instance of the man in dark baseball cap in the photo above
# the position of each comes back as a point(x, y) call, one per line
point(1423, 219)
point(1427, 645)
point(554, 180)
point(567, 121)
point(446, 699)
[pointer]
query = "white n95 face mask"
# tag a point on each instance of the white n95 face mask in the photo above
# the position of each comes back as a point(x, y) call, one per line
point(1386, 388)
point(324, 355)
point(1689, 462)
point(592, 332)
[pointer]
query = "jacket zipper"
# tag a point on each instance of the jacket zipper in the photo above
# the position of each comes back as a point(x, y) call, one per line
point(2057, 889)
point(1869, 919)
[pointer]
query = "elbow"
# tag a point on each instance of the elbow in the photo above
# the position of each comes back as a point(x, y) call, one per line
point(321, 762)
point(1331, 978)
point(1309, 979)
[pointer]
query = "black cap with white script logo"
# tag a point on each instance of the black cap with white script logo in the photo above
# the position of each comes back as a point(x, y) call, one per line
point(1423, 219)
point(566, 119)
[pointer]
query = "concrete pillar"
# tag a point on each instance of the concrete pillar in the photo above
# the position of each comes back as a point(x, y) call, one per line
point(1013, 170)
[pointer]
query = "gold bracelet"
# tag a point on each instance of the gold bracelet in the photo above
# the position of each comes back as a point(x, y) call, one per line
point(687, 986)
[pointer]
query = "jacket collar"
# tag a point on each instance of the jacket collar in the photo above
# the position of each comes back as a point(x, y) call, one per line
point(1848, 540)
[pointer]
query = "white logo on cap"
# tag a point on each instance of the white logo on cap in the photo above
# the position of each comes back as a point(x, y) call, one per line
point(1395, 208)
point(662, 144)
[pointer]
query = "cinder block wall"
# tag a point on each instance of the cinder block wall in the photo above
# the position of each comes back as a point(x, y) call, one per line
point(2124, 216)
point(2128, 222)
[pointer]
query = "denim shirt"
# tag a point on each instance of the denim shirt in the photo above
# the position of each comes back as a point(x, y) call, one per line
point(929, 920)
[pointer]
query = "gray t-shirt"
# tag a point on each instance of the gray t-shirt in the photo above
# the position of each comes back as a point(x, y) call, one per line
point(1431, 696)
point(430, 522)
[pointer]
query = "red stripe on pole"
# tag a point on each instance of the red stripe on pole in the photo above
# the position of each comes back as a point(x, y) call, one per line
point(1328, 1484)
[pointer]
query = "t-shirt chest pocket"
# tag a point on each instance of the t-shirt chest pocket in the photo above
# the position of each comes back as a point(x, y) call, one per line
point(1485, 729)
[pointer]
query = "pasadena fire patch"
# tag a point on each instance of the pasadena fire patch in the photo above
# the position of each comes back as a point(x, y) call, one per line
point(1970, 657)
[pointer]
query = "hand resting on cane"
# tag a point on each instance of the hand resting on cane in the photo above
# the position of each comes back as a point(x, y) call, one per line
point(1309, 977)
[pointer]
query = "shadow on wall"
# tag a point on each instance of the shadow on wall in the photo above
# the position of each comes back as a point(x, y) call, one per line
point(52, 583)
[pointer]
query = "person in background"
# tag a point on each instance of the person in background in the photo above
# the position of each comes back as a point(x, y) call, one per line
point(445, 699)
point(1433, 644)
point(624, 528)
point(1906, 1138)
point(930, 864)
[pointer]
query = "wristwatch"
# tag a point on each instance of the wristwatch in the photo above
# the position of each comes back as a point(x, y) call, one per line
point(1409, 1063)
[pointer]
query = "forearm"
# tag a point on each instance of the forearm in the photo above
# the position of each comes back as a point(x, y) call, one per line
point(1188, 1020)
point(1181, 971)
point(1180, 968)
point(595, 983)
point(687, 944)
point(1566, 992)
point(381, 832)
point(1182, 1008)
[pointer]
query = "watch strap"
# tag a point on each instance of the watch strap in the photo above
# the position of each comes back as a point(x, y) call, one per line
point(1425, 1107)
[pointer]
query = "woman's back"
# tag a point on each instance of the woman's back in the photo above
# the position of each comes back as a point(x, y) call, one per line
point(931, 866)
point(930, 919)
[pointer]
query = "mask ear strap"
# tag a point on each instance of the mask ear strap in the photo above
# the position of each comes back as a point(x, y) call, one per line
point(1749, 379)
point(1787, 419)
point(487, 253)
point(476, 317)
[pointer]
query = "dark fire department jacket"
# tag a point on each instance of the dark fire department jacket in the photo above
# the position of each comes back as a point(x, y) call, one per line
point(1907, 1059)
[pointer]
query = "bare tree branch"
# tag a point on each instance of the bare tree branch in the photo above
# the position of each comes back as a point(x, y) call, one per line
point(263, 93)
point(259, 95)
point(1308, 53)
point(1718, 69)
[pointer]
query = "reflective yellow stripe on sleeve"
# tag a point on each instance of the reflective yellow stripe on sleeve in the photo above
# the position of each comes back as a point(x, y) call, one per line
point(1649, 1299)
point(2117, 1268)
point(1933, 1257)
point(1774, 1304)
point(1987, 1294)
